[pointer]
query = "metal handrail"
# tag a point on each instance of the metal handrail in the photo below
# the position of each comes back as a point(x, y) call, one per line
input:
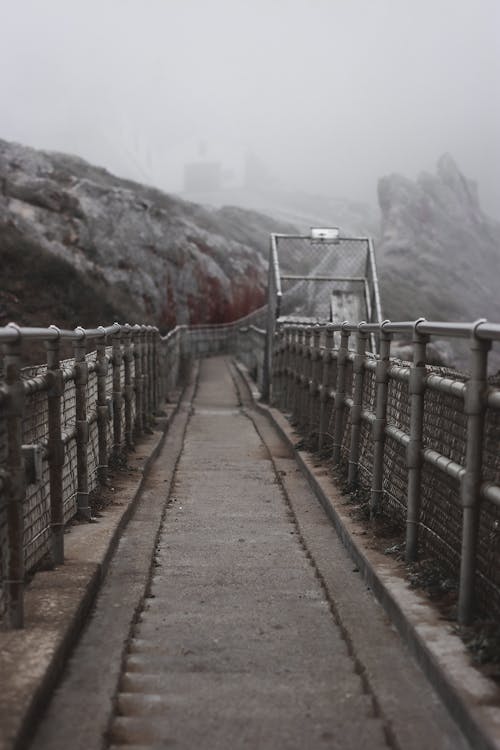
point(299, 387)
point(13, 332)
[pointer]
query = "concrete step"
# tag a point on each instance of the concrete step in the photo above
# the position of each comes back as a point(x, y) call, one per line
point(232, 711)
point(252, 655)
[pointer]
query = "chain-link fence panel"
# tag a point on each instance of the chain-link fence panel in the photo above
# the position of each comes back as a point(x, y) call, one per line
point(329, 281)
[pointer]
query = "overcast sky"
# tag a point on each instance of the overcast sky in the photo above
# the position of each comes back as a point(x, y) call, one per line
point(330, 94)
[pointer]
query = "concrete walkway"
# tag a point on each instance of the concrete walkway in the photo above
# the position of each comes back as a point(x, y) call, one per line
point(238, 643)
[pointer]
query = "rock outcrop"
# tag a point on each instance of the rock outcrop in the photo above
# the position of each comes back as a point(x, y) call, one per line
point(79, 245)
point(439, 254)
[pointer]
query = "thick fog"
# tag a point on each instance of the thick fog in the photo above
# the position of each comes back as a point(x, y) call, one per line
point(328, 94)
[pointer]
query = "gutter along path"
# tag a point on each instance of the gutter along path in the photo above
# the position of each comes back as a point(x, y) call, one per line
point(238, 643)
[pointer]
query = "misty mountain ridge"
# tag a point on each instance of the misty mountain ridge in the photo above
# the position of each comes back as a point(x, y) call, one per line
point(79, 245)
point(301, 208)
point(438, 252)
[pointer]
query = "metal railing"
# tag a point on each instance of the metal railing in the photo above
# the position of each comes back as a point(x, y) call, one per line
point(62, 423)
point(354, 403)
point(423, 440)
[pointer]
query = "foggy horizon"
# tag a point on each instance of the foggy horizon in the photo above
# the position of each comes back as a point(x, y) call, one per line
point(329, 95)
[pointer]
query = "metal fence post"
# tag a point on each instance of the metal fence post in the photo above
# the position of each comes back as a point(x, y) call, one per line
point(414, 457)
point(287, 368)
point(277, 373)
point(145, 379)
point(55, 447)
point(116, 363)
point(297, 391)
point(155, 335)
point(102, 408)
point(304, 380)
point(339, 403)
point(82, 426)
point(271, 322)
point(475, 409)
point(314, 387)
point(162, 369)
point(15, 485)
point(299, 370)
point(292, 366)
point(326, 384)
point(378, 428)
point(137, 341)
point(128, 390)
point(151, 374)
point(358, 382)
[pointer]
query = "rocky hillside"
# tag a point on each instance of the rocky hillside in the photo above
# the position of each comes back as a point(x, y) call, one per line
point(438, 253)
point(79, 245)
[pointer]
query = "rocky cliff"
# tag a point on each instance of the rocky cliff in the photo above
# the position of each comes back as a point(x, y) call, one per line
point(438, 253)
point(79, 245)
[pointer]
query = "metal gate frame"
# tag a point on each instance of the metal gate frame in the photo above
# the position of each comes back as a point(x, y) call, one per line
point(275, 292)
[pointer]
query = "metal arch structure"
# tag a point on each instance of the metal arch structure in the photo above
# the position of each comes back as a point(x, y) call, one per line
point(334, 279)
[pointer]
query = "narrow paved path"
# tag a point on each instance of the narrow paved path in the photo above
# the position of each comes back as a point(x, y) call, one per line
point(255, 630)
point(236, 646)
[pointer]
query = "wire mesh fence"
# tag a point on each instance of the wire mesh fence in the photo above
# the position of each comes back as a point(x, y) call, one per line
point(438, 445)
point(334, 392)
point(97, 405)
point(330, 280)
point(45, 445)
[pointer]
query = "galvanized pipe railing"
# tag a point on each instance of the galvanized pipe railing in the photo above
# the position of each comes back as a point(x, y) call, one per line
point(311, 379)
point(94, 432)
point(127, 378)
point(337, 404)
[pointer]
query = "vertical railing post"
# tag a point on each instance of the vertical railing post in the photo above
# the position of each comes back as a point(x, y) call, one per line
point(15, 485)
point(277, 365)
point(305, 378)
point(297, 394)
point(379, 425)
point(281, 366)
point(171, 359)
point(162, 369)
point(357, 404)
point(292, 366)
point(128, 390)
point(287, 368)
point(339, 403)
point(151, 374)
point(145, 379)
point(116, 363)
point(326, 384)
point(137, 343)
point(475, 409)
point(314, 387)
point(55, 448)
point(156, 370)
point(82, 426)
point(252, 355)
point(271, 322)
point(301, 354)
point(103, 415)
point(176, 352)
point(414, 458)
